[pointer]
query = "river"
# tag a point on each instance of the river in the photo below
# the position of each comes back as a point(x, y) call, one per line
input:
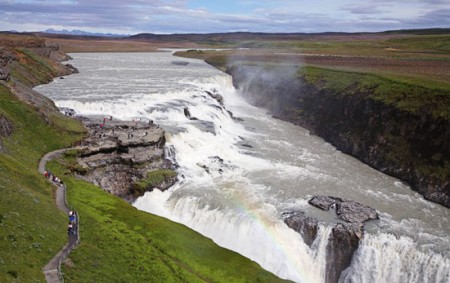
point(237, 176)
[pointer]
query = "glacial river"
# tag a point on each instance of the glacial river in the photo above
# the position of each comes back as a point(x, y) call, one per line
point(237, 177)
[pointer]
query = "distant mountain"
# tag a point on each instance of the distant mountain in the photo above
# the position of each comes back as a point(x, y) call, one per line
point(83, 33)
point(233, 37)
point(429, 31)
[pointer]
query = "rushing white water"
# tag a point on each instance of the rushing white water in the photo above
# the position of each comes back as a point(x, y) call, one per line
point(238, 177)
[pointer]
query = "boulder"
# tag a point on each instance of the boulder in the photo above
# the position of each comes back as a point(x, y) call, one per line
point(346, 210)
point(324, 202)
point(354, 212)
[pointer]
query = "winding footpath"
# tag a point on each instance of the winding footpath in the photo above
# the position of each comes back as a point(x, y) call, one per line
point(52, 270)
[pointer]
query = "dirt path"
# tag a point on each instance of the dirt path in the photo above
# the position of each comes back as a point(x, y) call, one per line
point(52, 269)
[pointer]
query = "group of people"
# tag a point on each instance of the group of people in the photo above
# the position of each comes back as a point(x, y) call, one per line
point(72, 227)
point(109, 118)
point(49, 175)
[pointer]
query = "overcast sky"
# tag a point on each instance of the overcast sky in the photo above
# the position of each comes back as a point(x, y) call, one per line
point(203, 16)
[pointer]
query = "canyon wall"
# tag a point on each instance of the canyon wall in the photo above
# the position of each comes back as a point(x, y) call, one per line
point(399, 129)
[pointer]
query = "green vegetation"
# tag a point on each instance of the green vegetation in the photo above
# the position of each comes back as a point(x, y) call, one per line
point(153, 179)
point(435, 44)
point(32, 229)
point(402, 95)
point(122, 244)
point(32, 69)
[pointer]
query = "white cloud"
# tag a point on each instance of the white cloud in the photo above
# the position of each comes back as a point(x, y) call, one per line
point(167, 16)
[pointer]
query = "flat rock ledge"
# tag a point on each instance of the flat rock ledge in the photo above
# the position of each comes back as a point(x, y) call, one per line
point(345, 235)
point(117, 155)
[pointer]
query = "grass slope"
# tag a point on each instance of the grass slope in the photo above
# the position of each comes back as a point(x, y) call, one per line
point(122, 244)
point(32, 229)
point(404, 95)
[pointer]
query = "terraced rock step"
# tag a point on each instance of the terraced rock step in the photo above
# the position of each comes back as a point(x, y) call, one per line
point(118, 156)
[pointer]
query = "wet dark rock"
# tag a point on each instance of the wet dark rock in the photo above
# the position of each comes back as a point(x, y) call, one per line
point(342, 244)
point(346, 210)
point(234, 118)
point(344, 238)
point(306, 226)
point(180, 63)
point(354, 212)
point(187, 113)
point(216, 96)
point(72, 69)
point(324, 202)
point(204, 167)
point(67, 111)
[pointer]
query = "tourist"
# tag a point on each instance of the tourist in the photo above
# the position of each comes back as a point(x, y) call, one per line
point(70, 230)
point(73, 218)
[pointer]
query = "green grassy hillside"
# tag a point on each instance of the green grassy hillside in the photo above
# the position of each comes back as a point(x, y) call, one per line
point(32, 229)
point(122, 244)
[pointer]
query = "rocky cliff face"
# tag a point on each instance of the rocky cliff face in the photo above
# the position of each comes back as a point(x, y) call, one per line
point(28, 61)
point(6, 57)
point(6, 129)
point(411, 145)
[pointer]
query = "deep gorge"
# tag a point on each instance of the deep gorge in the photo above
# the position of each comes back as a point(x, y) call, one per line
point(410, 144)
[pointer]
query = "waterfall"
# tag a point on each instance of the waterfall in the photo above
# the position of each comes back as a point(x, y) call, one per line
point(386, 258)
point(240, 172)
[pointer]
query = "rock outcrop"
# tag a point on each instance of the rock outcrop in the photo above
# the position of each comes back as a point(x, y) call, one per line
point(5, 58)
point(411, 145)
point(216, 96)
point(34, 62)
point(6, 129)
point(342, 244)
point(306, 226)
point(346, 210)
point(344, 237)
point(118, 155)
